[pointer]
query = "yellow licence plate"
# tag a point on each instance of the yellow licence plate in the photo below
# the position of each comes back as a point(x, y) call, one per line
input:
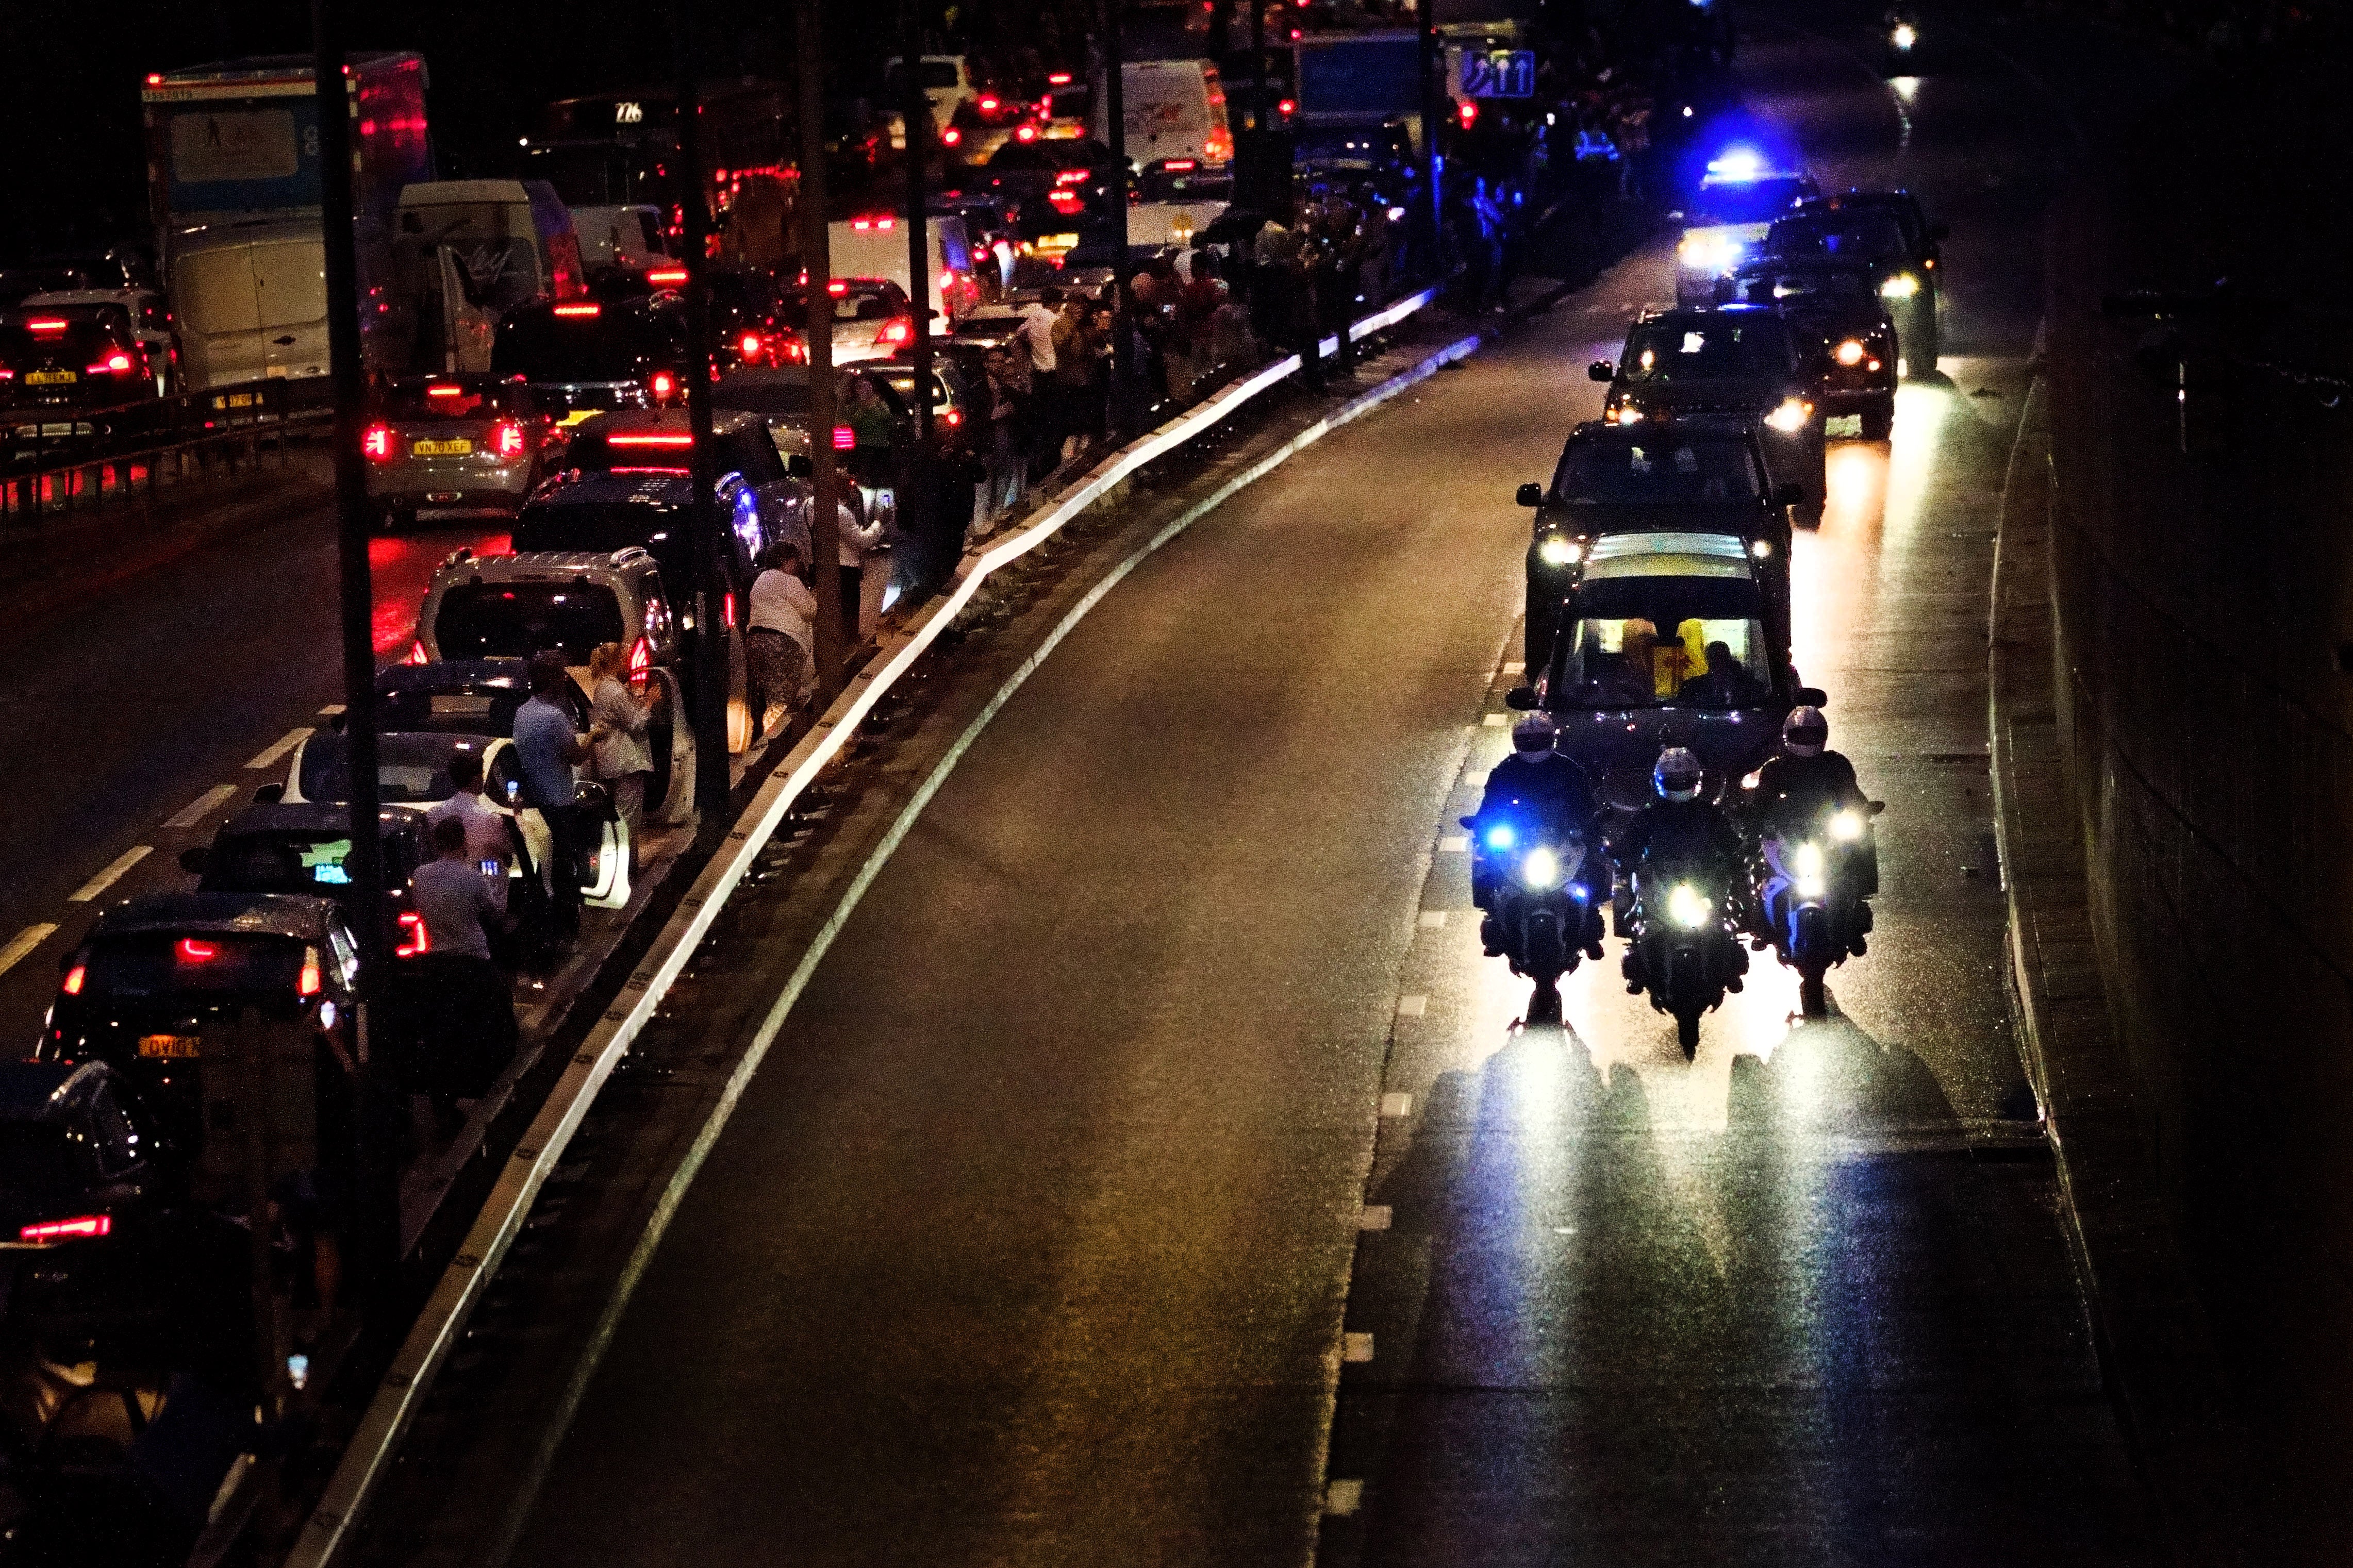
point(51, 377)
point(450, 448)
point(1058, 242)
point(169, 1046)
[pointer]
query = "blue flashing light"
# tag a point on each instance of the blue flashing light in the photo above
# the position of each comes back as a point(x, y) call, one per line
point(1501, 837)
point(1737, 164)
point(1579, 893)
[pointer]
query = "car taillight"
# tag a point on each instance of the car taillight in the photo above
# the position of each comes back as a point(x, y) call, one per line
point(573, 313)
point(74, 978)
point(749, 345)
point(1181, 165)
point(896, 331)
point(796, 351)
point(951, 417)
point(44, 326)
point(1068, 203)
point(190, 951)
point(113, 365)
point(415, 939)
point(1025, 133)
point(659, 440)
point(727, 610)
point(667, 277)
point(307, 983)
point(416, 652)
point(1467, 112)
point(1287, 108)
point(76, 1229)
point(844, 437)
point(377, 442)
point(663, 386)
point(446, 390)
point(508, 439)
point(838, 288)
point(951, 137)
point(1071, 177)
point(641, 658)
point(990, 104)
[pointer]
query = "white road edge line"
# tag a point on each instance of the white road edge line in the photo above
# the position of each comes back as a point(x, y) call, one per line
point(462, 1284)
point(23, 942)
point(279, 747)
point(204, 805)
point(107, 879)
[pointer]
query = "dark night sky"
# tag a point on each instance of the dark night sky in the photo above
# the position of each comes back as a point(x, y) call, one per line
point(71, 167)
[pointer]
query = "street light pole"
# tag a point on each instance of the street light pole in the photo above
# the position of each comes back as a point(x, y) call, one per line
point(915, 472)
point(816, 258)
point(376, 1239)
point(713, 652)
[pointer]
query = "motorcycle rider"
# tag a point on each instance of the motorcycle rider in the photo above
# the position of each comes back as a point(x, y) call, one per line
point(1535, 788)
point(1676, 826)
point(1804, 783)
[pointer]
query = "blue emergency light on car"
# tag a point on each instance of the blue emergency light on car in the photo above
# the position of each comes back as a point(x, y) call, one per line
point(1737, 163)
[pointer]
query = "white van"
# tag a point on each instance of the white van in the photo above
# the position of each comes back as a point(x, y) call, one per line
point(877, 247)
point(465, 252)
point(628, 237)
point(251, 298)
point(1174, 110)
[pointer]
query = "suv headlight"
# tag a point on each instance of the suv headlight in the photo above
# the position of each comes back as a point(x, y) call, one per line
point(1791, 416)
point(1902, 286)
point(1686, 907)
point(1848, 354)
point(1555, 550)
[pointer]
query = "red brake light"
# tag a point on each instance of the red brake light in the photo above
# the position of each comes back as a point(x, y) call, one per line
point(951, 417)
point(1287, 108)
point(898, 330)
point(508, 439)
point(415, 939)
point(1071, 177)
point(749, 345)
point(641, 658)
point(44, 324)
point(74, 978)
point(951, 137)
point(862, 224)
point(377, 442)
point(668, 440)
point(838, 288)
point(190, 951)
point(667, 277)
point(727, 609)
point(155, 78)
point(49, 1230)
point(1058, 78)
point(416, 652)
point(1181, 165)
point(1070, 203)
point(573, 311)
point(307, 983)
point(1468, 113)
point(844, 438)
point(113, 365)
point(444, 390)
point(663, 384)
point(989, 103)
point(1025, 133)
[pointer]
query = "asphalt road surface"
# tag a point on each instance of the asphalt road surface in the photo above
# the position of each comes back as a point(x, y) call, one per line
point(1153, 1173)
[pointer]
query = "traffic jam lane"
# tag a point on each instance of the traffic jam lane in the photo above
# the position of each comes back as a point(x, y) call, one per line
point(1805, 1299)
point(216, 663)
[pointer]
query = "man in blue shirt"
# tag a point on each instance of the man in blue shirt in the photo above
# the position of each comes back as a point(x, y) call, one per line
point(548, 747)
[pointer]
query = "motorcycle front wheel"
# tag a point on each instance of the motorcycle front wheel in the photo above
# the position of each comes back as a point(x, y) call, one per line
point(1687, 1034)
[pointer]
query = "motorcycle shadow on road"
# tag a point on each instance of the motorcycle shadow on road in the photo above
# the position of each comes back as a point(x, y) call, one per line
point(1615, 1287)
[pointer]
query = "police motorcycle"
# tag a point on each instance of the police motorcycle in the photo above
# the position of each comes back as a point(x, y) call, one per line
point(1539, 880)
point(1681, 907)
point(1813, 885)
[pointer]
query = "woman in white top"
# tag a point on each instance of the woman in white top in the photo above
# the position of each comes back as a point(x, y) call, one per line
point(780, 632)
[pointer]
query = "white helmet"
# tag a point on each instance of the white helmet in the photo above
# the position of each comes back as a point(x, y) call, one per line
point(1805, 732)
point(1677, 776)
point(1533, 736)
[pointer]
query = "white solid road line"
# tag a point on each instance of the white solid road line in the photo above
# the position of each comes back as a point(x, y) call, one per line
point(278, 749)
point(23, 942)
point(204, 805)
point(1411, 1006)
point(106, 878)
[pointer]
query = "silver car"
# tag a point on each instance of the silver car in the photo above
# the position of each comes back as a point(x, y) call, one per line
point(456, 446)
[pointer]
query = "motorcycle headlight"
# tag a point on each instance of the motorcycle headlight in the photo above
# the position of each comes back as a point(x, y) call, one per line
point(1848, 354)
point(1501, 837)
point(1791, 416)
point(1902, 286)
point(1846, 827)
point(1555, 550)
point(1541, 870)
point(1807, 861)
point(1686, 907)
point(1903, 37)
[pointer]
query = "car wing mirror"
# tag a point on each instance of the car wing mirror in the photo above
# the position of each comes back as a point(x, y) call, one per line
point(1470, 821)
point(1789, 495)
point(1877, 806)
point(1522, 698)
point(270, 794)
point(1602, 370)
point(1812, 696)
point(1528, 495)
point(195, 858)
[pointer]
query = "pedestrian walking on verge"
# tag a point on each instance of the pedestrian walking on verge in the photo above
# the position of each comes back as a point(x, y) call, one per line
point(549, 749)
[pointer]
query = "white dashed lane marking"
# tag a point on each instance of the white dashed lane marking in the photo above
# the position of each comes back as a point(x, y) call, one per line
point(1342, 1499)
point(1496, 720)
point(1412, 1007)
point(1356, 1347)
point(1453, 843)
point(1433, 920)
point(330, 710)
point(204, 805)
point(106, 878)
point(1397, 1105)
point(1376, 1216)
point(1515, 667)
point(23, 942)
point(278, 749)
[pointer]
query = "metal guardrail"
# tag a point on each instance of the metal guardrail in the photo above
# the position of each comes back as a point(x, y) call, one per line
point(59, 460)
point(525, 1171)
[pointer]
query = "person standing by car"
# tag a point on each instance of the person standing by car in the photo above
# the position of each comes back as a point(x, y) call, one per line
point(1038, 321)
point(617, 720)
point(471, 1012)
point(486, 830)
point(1004, 462)
point(781, 630)
point(549, 748)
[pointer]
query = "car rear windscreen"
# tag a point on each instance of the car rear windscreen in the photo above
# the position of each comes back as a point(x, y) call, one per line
point(73, 343)
point(1664, 470)
point(492, 620)
point(610, 347)
point(315, 863)
point(157, 964)
point(409, 768)
point(1704, 349)
point(453, 400)
point(41, 1157)
point(1745, 201)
